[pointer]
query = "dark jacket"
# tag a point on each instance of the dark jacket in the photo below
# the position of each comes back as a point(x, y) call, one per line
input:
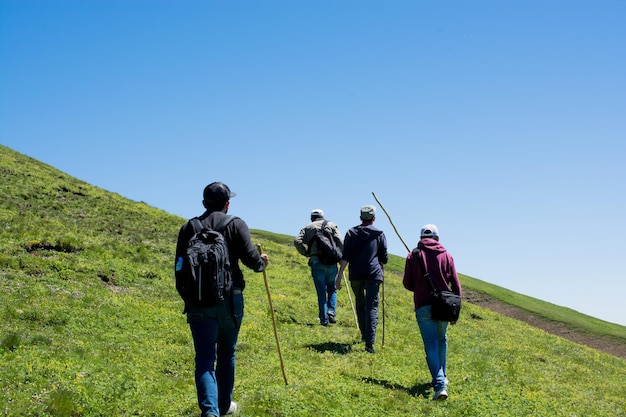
point(365, 249)
point(238, 239)
point(441, 269)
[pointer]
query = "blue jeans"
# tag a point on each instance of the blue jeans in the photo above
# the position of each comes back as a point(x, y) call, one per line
point(215, 330)
point(324, 279)
point(435, 345)
point(366, 304)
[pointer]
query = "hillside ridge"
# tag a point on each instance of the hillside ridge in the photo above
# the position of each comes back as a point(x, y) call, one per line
point(91, 325)
point(606, 344)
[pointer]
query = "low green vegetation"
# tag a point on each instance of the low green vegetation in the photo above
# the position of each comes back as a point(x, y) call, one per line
point(91, 325)
point(573, 319)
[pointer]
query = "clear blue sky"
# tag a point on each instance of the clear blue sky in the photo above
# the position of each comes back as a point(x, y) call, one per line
point(503, 122)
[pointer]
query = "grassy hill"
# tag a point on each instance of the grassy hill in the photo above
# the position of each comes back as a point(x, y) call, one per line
point(91, 325)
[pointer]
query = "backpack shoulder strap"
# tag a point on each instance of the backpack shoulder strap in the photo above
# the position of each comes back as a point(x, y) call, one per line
point(196, 224)
point(222, 225)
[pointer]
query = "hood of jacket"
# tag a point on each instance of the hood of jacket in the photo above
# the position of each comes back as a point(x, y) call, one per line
point(366, 233)
point(431, 245)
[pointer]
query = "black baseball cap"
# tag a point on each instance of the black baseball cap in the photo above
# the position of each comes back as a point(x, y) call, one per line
point(217, 193)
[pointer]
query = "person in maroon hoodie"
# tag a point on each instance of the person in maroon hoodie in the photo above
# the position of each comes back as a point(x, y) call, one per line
point(442, 271)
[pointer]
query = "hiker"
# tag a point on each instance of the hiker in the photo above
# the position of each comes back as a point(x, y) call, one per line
point(442, 271)
point(365, 251)
point(323, 272)
point(215, 328)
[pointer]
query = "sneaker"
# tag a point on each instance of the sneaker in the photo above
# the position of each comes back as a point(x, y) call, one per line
point(231, 410)
point(370, 349)
point(442, 394)
point(331, 318)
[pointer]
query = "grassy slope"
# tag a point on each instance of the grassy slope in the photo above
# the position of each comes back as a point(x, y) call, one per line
point(90, 325)
point(573, 319)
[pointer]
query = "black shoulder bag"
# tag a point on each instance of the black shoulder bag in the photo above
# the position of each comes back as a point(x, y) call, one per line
point(446, 305)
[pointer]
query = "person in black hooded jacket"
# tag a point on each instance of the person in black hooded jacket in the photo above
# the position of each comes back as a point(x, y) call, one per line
point(365, 254)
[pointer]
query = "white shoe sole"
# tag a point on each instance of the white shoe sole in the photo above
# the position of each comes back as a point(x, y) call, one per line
point(440, 395)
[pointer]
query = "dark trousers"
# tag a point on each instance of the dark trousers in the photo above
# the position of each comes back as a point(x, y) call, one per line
point(366, 301)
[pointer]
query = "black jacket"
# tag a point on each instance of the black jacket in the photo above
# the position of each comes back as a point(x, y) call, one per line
point(238, 239)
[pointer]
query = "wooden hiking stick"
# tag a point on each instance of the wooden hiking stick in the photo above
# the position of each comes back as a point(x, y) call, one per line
point(269, 297)
point(356, 319)
point(391, 221)
point(383, 290)
point(405, 245)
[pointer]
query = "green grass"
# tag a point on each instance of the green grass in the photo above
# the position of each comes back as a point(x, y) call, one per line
point(573, 319)
point(91, 325)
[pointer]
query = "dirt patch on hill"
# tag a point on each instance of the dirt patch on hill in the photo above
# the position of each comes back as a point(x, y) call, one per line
point(608, 345)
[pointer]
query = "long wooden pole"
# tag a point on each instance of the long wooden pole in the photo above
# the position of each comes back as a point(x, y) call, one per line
point(391, 221)
point(383, 289)
point(356, 319)
point(269, 297)
point(407, 249)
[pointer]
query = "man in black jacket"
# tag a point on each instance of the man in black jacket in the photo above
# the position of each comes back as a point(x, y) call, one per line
point(365, 250)
point(215, 329)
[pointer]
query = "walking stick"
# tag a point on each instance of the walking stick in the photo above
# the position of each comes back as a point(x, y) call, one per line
point(269, 297)
point(405, 245)
point(390, 221)
point(356, 319)
point(383, 289)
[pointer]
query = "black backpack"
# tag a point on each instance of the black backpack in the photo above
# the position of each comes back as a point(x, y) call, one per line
point(206, 278)
point(327, 249)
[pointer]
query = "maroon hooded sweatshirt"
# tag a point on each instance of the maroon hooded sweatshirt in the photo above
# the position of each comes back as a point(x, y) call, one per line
point(440, 266)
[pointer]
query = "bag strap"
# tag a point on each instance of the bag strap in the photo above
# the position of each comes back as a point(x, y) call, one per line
point(222, 225)
point(198, 226)
point(422, 262)
point(321, 230)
